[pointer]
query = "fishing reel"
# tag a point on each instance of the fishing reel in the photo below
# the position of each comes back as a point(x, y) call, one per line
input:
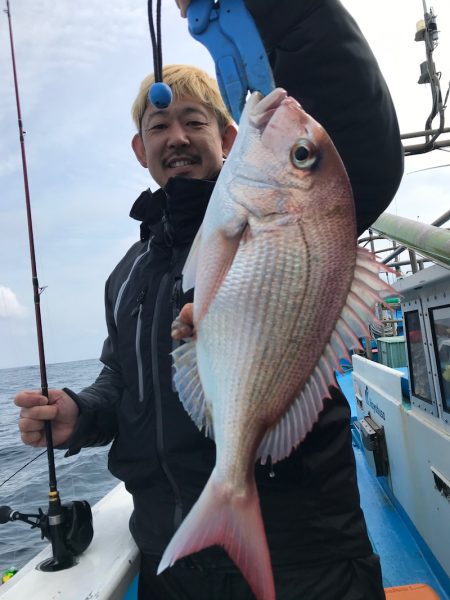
point(67, 526)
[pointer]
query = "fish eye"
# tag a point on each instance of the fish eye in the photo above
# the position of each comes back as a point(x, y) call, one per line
point(303, 154)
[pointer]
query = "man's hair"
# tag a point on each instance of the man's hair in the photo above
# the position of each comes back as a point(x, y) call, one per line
point(185, 81)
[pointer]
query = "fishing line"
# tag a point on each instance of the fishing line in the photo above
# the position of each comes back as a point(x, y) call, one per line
point(428, 168)
point(23, 467)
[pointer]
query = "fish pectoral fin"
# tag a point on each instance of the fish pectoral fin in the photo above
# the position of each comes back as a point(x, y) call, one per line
point(218, 240)
point(220, 248)
point(189, 387)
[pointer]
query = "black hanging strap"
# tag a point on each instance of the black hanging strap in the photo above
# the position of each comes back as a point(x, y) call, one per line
point(156, 38)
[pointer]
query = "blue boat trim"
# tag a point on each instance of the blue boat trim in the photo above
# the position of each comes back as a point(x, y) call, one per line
point(132, 590)
point(405, 557)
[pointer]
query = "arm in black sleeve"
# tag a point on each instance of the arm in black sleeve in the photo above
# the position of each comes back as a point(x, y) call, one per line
point(97, 423)
point(319, 55)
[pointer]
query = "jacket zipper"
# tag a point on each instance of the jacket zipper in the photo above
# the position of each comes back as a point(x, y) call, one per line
point(176, 307)
point(138, 311)
point(178, 514)
point(167, 230)
point(125, 283)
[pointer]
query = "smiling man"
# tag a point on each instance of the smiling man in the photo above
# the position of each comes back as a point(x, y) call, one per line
point(191, 137)
point(316, 531)
point(183, 140)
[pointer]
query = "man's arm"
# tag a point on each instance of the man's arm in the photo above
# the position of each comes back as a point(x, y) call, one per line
point(78, 420)
point(97, 421)
point(97, 403)
point(319, 55)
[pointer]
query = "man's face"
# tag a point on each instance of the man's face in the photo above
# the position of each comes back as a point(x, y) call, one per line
point(181, 140)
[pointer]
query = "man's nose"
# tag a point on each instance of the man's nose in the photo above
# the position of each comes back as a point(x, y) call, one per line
point(177, 136)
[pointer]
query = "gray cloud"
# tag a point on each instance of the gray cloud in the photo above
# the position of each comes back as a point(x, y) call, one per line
point(10, 306)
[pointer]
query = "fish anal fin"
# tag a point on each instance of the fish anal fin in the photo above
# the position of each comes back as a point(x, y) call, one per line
point(233, 521)
point(189, 387)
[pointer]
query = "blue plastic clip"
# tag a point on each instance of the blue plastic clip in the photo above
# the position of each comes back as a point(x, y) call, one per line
point(231, 37)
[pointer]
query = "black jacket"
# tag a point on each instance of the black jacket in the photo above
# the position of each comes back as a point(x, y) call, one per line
point(311, 507)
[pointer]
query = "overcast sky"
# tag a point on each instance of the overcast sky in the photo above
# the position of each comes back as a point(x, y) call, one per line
point(79, 67)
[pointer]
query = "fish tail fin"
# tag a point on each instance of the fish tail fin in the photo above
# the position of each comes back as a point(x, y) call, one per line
point(233, 521)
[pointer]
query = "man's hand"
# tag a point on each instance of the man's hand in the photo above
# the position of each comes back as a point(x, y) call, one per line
point(183, 5)
point(183, 326)
point(60, 409)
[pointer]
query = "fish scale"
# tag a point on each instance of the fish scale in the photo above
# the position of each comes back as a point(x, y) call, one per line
point(273, 312)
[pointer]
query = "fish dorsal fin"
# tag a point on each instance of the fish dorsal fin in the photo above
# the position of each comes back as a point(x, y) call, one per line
point(366, 289)
point(297, 422)
point(189, 387)
point(190, 266)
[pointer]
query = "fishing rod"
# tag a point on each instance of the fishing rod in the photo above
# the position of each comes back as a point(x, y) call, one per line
point(67, 527)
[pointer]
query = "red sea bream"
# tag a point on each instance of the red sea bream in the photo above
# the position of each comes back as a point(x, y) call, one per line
point(281, 293)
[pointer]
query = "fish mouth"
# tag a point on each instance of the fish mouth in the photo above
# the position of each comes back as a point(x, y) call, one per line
point(266, 108)
point(279, 118)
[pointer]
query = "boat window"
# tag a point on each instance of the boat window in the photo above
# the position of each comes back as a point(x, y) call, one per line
point(418, 373)
point(440, 324)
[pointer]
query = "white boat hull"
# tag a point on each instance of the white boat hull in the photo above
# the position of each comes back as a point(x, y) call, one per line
point(104, 571)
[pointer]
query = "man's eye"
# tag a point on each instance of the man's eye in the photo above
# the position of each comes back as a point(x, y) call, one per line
point(196, 123)
point(157, 127)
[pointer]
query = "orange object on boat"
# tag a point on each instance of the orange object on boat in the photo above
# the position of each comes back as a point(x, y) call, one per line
point(416, 591)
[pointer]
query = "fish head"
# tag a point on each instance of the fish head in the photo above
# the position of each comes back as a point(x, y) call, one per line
point(281, 147)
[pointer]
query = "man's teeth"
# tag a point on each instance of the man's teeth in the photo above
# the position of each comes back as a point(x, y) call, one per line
point(180, 163)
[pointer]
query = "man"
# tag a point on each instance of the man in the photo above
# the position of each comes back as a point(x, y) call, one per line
point(315, 528)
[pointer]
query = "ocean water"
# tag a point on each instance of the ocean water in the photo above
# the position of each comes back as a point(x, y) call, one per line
point(81, 477)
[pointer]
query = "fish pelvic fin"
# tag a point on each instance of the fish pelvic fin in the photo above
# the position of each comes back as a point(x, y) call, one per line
point(189, 387)
point(190, 266)
point(358, 311)
point(231, 520)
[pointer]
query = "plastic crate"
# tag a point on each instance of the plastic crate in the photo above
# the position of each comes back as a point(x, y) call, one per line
point(392, 351)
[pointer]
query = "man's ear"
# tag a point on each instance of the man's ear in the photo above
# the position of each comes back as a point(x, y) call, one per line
point(228, 137)
point(138, 146)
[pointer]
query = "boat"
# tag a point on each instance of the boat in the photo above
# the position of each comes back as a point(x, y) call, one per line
point(105, 571)
point(399, 391)
point(401, 413)
point(400, 399)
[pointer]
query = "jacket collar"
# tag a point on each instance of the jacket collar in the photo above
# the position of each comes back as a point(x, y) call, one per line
point(174, 213)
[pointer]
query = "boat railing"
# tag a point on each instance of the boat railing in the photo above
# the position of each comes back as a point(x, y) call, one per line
point(422, 242)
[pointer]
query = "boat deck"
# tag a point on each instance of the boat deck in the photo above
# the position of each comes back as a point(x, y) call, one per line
point(404, 556)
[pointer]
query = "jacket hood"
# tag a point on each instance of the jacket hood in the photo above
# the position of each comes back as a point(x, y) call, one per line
point(174, 213)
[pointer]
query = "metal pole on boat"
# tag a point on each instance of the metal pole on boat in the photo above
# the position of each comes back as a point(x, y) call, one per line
point(428, 33)
point(62, 557)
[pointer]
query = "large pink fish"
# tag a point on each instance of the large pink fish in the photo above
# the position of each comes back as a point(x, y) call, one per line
point(281, 292)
